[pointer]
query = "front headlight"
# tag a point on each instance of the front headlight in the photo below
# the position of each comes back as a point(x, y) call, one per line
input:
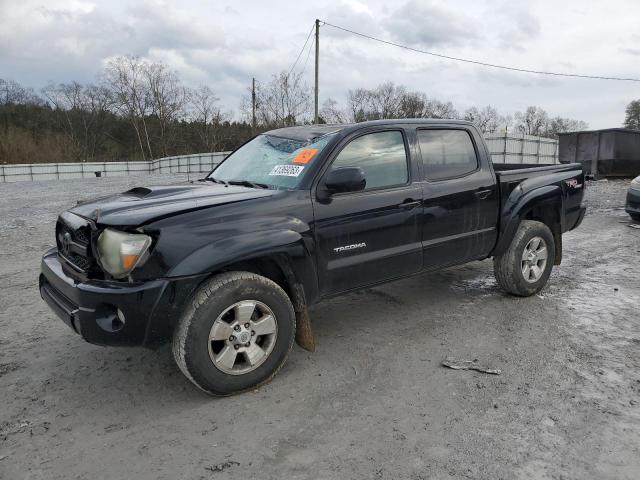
point(635, 183)
point(120, 252)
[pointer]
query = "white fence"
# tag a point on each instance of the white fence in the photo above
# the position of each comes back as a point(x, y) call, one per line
point(197, 163)
point(520, 148)
point(504, 148)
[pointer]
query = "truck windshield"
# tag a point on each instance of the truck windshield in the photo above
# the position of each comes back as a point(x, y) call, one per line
point(271, 161)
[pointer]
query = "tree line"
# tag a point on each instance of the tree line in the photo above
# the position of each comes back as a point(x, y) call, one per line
point(141, 110)
point(395, 101)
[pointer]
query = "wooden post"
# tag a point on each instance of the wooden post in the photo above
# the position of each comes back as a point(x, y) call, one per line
point(253, 104)
point(504, 153)
point(317, 67)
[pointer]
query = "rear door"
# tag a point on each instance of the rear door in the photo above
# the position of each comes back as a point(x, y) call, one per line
point(373, 235)
point(460, 196)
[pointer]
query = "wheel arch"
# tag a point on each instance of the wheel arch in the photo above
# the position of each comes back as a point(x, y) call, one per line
point(296, 275)
point(542, 204)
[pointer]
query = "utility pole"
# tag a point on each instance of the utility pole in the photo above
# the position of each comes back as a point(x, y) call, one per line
point(317, 66)
point(253, 104)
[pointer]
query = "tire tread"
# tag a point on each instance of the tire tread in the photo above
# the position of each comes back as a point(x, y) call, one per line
point(504, 266)
point(200, 297)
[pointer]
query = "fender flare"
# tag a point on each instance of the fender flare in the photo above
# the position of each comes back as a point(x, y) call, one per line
point(517, 206)
point(284, 244)
point(291, 252)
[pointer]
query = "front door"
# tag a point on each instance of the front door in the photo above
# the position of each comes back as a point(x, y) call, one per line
point(372, 235)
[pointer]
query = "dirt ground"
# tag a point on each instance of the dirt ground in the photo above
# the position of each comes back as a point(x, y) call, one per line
point(372, 402)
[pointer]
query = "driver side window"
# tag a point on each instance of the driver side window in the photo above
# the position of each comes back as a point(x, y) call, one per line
point(381, 155)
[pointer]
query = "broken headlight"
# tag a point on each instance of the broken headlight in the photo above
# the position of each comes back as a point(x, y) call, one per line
point(119, 252)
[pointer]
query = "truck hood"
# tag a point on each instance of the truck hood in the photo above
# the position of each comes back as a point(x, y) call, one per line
point(141, 205)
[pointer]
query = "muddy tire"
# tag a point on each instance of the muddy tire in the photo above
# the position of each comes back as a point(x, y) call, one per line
point(635, 217)
point(525, 267)
point(235, 334)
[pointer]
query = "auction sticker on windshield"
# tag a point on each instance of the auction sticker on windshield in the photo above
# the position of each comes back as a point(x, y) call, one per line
point(305, 155)
point(287, 170)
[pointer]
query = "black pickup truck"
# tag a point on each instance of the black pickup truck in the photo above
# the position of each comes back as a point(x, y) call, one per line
point(226, 266)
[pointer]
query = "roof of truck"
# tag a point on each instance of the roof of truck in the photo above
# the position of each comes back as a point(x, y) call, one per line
point(309, 132)
point(306, 132)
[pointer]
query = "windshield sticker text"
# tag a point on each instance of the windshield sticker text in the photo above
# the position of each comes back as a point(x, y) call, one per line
point(287, 170)
point(305, 155)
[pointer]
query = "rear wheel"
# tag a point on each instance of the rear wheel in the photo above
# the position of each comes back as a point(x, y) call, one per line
point(525, 267)
point(236, 333)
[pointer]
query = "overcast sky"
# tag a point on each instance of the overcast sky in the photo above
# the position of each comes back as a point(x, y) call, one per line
point(225, 43)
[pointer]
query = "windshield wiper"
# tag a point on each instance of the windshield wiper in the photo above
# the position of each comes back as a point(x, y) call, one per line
point(214, 180)
point(247, 183)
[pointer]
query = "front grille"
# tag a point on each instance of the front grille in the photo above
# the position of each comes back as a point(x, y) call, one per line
point(73, 238)
point(83, 263)
point(83, 235)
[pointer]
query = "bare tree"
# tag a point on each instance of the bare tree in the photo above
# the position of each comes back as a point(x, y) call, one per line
point(151, 96)
point(167, 97)
point(632, 115)
point(486, 119)
point(438, 109)
point(384, 101)
point(208, 115)
point(394, 101)
point(536, 121)
point(357, 104)
point(561, 125)
point(125, 78)
point(80, 112)
point(413, 105)
point(284, 101)
point(533, 121)
point(331, 112)
point(505, 123)
point(12, 93)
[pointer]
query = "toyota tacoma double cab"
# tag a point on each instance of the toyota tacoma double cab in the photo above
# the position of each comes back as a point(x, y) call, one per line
point(225, 267)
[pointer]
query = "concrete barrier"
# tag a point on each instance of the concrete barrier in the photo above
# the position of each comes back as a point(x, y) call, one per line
point(196, 163)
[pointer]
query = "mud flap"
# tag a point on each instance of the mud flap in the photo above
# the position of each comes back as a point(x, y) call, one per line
point(304, 333)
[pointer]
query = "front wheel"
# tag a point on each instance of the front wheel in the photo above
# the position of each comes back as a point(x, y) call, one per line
point(525, 267)
point(235, 334)
point(635, 217)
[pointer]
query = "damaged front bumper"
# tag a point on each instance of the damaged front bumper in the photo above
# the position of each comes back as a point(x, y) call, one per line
point(114, 313)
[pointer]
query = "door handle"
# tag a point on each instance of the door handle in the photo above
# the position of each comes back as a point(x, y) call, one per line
point(410, 203)
point(482, 194)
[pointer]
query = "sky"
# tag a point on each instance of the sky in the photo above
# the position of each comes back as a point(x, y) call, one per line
point(223, 44)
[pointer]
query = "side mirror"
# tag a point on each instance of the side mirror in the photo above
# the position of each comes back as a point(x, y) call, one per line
point(345, 179)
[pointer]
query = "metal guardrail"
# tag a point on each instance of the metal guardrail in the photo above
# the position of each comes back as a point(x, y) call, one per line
point(506, 148)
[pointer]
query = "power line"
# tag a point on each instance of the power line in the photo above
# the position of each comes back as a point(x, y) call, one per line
point(304, 67)
point(484, 64)
point(301, 50)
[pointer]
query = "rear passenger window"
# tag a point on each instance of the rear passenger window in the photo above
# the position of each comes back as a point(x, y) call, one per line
point(447, 153)
point(380, 155)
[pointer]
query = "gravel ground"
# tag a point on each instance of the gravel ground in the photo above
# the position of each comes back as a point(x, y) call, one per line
point(372, 402)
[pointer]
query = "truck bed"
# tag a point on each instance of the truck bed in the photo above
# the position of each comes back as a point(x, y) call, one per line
point(569, 177)
point(509, 175)
point(526, 168)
